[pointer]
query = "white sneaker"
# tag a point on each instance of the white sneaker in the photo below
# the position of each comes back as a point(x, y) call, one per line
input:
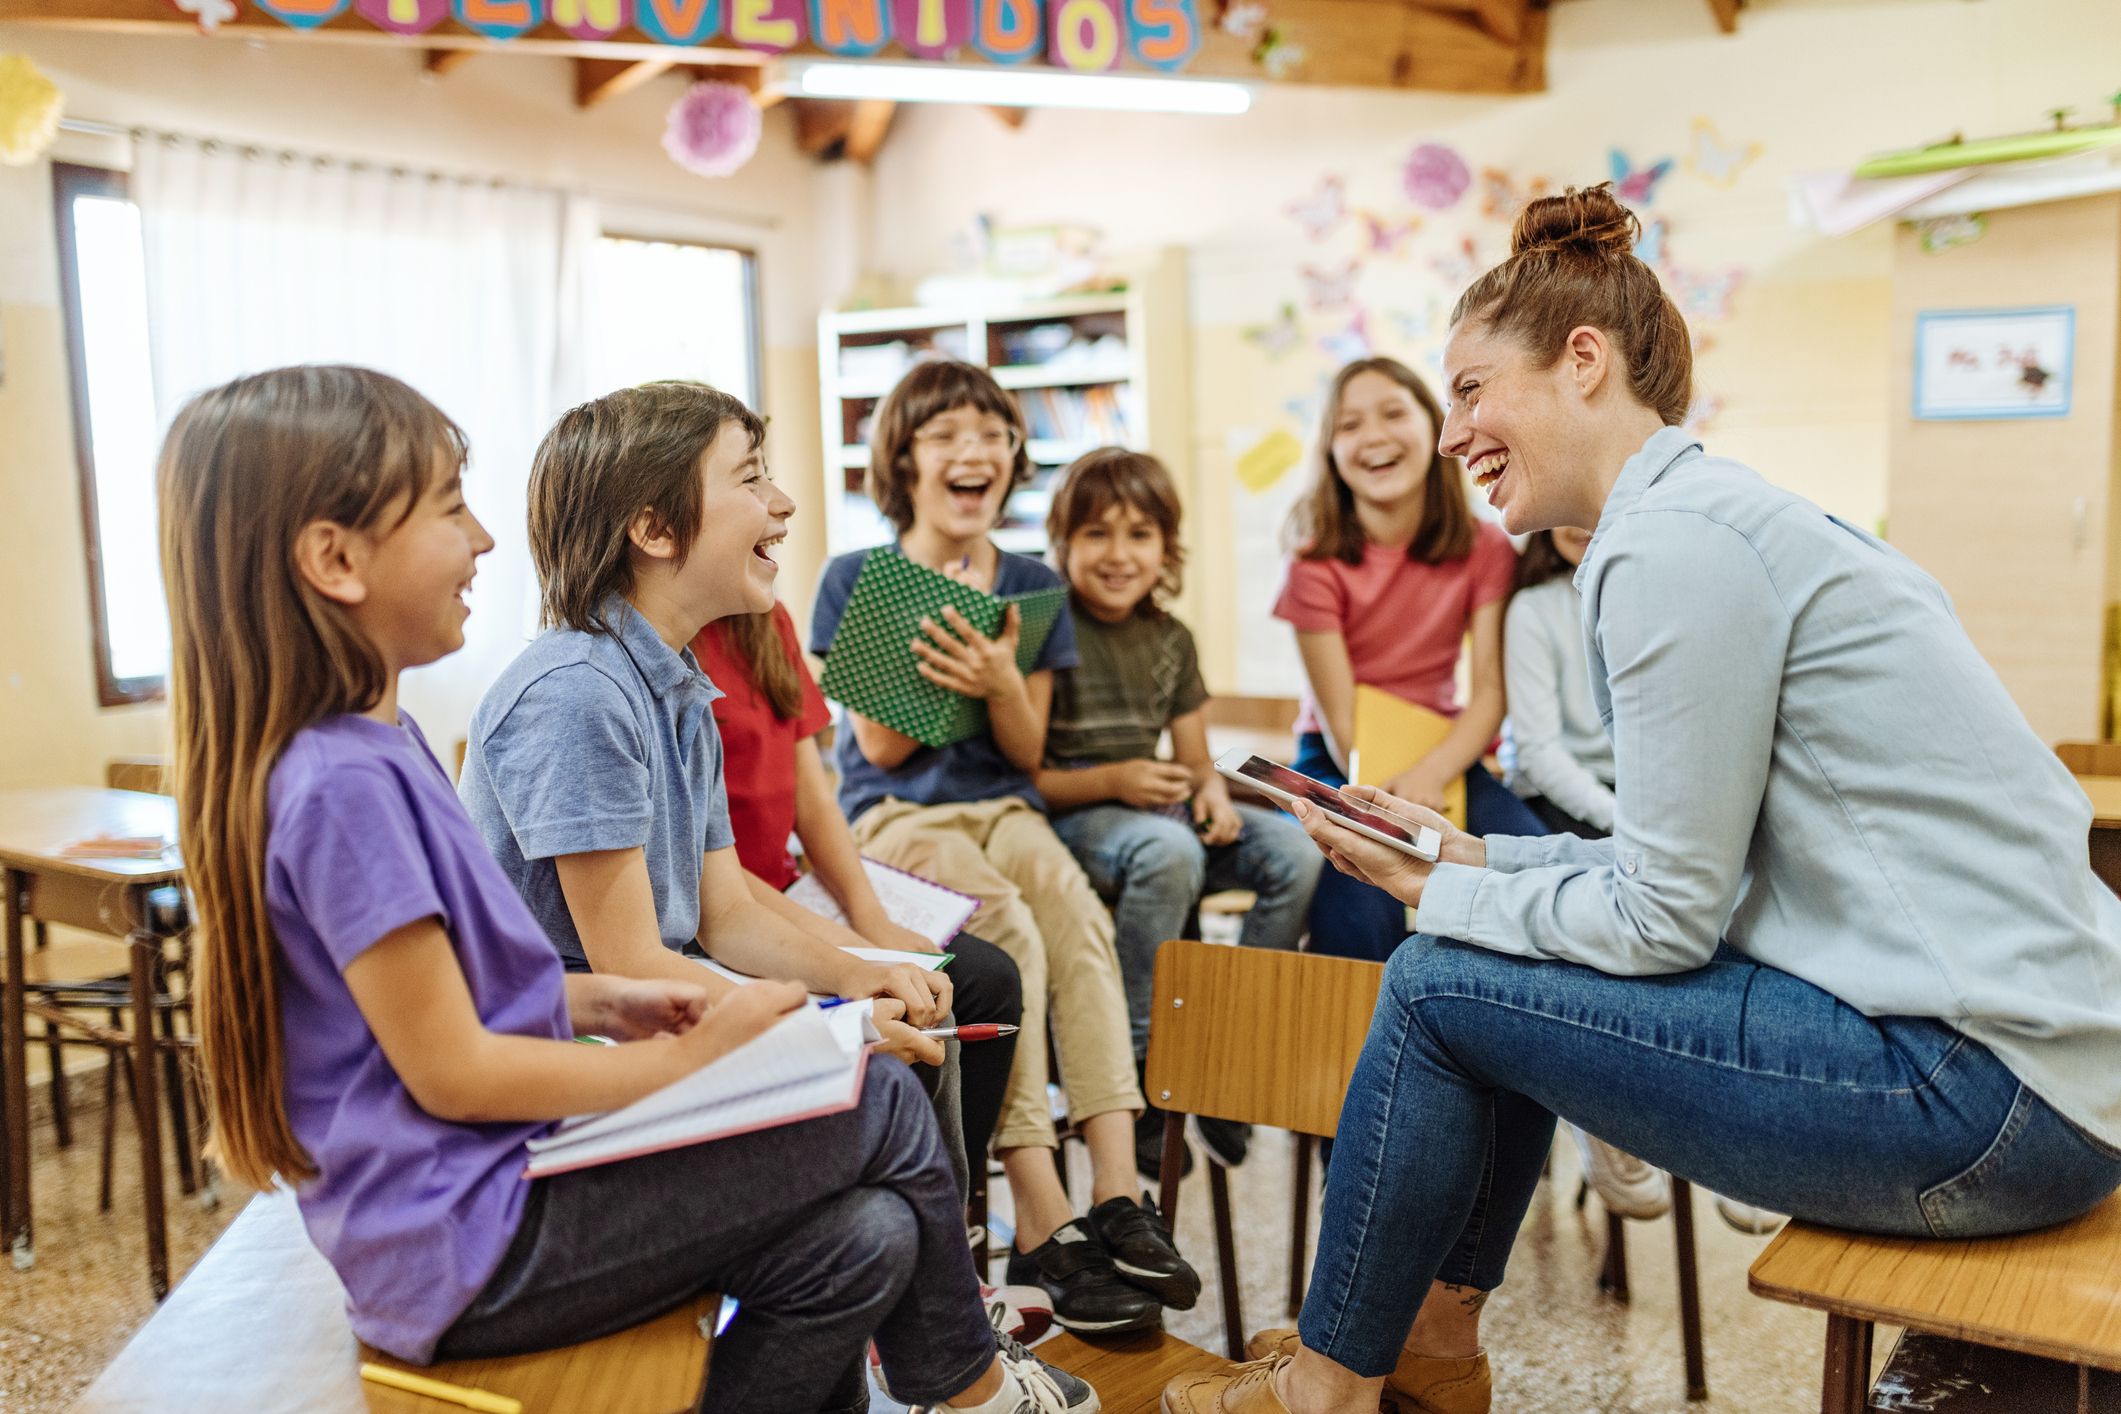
point(1748, 1219)
point(1625, 1184)
point(1022, 1312)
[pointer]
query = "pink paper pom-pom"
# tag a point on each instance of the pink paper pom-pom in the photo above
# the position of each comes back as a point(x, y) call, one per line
point(713, 129)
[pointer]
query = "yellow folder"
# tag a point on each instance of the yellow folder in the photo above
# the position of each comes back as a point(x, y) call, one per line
point(1391, 734)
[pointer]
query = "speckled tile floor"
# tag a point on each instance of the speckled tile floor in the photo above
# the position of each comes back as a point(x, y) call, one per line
point(1559, 1347)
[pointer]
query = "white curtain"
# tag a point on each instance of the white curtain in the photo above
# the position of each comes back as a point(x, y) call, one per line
point(461, 288)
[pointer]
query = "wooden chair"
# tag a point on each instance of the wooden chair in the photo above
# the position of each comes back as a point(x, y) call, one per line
point(2055, 1293)
point(1262, 1037)
point(1613, 1278)
point(260, 1325)
point(2091, 758)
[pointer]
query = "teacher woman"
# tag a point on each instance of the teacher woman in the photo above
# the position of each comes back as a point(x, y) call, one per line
point(1843, 955)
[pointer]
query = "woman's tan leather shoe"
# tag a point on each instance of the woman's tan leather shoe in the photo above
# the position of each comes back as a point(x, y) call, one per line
point(1420, 1384)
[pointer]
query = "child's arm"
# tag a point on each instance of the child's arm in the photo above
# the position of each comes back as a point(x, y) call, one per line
point(1211, 793)
point(1424, 781)
point(964, 660)
point(1144, 784)
point(612, 904)
point(739, 931)
point(886, 748)
point(1332, 676)
point(412, 993)
point(829, 846)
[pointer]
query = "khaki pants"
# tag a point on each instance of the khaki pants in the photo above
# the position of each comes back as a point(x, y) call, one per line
point(1036, 906)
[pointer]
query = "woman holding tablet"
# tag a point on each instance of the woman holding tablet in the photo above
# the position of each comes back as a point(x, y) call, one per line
point(1843, 955)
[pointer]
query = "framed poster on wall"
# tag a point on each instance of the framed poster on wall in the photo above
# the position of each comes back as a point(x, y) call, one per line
point(1986, 364)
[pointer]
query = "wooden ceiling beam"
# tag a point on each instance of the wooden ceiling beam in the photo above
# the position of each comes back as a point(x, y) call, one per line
point(821, 124)
point(1457, 46)
point(1009, 117)
point(443, 62)
point(1726, 12)
point(601, 80)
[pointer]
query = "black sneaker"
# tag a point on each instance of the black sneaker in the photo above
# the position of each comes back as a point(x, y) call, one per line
point(1141, 1249)
point(1149, 1147)
point(1088, 1293)
point(1227, 1140)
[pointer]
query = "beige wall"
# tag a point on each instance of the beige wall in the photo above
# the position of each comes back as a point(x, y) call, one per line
point(1802, 367)
point(507, 116)
point(2014, 516)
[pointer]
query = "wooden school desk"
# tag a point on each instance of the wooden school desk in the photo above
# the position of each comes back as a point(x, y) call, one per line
point(2105, 793)
point(135, 899)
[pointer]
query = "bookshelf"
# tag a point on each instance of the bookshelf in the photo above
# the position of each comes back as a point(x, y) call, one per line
point(1087, 370)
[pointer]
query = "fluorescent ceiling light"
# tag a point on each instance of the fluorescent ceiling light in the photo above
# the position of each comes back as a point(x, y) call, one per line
point(1021, 88)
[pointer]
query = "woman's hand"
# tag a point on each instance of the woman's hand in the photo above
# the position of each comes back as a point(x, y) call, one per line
point(1212, 810)
point(1421, 784)
point(1147, 784)
point(901, 1040)
point(1395, 871)
point(923, 993)
point(966, 661)
point(634, 1009)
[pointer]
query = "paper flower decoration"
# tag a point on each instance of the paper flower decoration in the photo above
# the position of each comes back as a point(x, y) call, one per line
point(1435, 176)
point(211, 14)
point(29, 110)
point(713, 129)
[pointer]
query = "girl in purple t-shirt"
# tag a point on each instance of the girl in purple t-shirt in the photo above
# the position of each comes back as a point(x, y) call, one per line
point(1393, 577)
point(385, 1025)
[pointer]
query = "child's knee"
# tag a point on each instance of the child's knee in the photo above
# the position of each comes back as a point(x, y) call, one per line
point(1165, 854)
point(882, 1224)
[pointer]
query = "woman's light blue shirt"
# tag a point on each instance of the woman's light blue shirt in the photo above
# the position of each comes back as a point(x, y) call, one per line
point(1814, 764)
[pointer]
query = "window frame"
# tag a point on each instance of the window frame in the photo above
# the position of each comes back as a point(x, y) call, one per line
point(71, 180)
point(754, 396)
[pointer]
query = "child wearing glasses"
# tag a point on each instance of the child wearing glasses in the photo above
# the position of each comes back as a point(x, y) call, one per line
point(945, 453)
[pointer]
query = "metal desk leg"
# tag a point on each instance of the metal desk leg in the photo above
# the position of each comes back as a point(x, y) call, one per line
point(1846, 1387)
point(15, 1231)
point(146, 950)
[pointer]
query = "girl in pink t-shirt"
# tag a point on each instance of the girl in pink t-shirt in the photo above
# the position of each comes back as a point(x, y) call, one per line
point(1392, 576)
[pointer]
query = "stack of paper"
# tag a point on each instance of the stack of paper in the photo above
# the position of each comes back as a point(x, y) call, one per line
point(936, 913)
point(805, 1066)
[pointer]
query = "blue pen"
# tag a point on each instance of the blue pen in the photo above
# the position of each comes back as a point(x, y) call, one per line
point(830, 1002)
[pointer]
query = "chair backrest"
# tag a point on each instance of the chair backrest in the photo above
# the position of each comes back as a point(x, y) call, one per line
point(2091, 758)
point(148, 774)
point(1256, 1035)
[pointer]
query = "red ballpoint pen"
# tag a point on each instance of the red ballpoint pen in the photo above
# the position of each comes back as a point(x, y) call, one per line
point(982, 1031)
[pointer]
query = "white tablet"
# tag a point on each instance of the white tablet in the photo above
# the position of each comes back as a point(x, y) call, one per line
point(1288, 787)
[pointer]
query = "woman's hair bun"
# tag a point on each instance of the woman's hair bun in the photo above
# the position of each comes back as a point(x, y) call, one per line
point(1588, 220)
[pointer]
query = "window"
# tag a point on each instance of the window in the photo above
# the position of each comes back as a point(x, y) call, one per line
point(103, 286)
point(673, 309)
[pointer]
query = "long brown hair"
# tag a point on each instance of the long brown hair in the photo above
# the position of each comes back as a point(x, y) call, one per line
point(256, 655)
point(929, 390)
point(600, 466)
point(1324, 526)
point(1572, 262)
point(1113, 476)
point(758, 645)
point(1540, 561)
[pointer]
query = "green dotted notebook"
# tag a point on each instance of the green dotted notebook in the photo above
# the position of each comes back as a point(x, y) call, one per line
point(871, 669)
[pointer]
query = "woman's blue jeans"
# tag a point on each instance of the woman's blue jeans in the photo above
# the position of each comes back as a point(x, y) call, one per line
point(1352, 919)
point(1736, 1076)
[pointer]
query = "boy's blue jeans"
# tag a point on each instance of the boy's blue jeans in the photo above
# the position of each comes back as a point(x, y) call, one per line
point(1736, 1076)
point(1153, 869)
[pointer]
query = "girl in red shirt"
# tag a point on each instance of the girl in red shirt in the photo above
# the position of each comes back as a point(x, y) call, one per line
point(1392, 578)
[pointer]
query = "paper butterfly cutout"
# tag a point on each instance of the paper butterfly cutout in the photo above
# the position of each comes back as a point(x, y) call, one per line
point(211, 14)
point(1942, 233)
point(1329, 289)
point(1716, 161)
point(1277, 55)
point(1701, 412)
point(1703, 296)
point(1389, 237)
point(1279, 339)
point(1246, 19)
point(1458, 267)
point(1303, 409)
point(1324, 209)
point(1650, 249)
point(1347, 345)
point(1501, 197)
point(1417, 328)
point(1636, 186)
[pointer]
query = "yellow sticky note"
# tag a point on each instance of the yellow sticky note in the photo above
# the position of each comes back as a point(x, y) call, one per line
point(1269, 460)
